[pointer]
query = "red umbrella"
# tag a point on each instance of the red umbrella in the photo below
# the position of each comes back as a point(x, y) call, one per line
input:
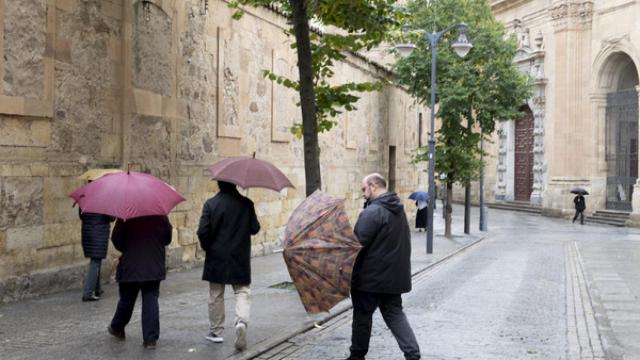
point(320, 250)
point(127, 195)
point(248, 172)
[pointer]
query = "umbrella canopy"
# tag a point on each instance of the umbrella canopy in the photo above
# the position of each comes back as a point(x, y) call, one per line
point(579, 190)
point(94, 174)
point(320, 250)
point(248, 172)
point(127, 195)
point(419, 196)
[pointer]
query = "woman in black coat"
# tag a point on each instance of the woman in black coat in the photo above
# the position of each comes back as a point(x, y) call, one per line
point(95, 242)
point(142, 242)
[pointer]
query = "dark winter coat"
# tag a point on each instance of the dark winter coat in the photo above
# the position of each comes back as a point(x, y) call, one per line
point(421, 217)
point(228, 220)
point(580, 203)
point(383, 265)
point(95, 234)
point(142, 242)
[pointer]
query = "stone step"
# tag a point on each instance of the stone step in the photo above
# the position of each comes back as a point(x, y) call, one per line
point(611, 214)
point(610, 217)
point(604, 221)
point(516, 206)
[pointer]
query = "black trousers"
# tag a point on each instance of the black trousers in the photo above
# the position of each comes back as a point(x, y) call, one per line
point(364, 305)
point(581, 214)
point(150, 308)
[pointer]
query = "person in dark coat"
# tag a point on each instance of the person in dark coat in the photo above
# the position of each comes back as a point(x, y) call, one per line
point(382, 271)
point(95, 242)
point(421, 216)
point(228, 220)
point(142, 242)
point(580, 205)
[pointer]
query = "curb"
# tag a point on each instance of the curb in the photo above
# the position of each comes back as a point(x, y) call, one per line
point(340, 308)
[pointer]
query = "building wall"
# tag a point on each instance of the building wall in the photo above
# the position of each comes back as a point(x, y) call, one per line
point(166, 87)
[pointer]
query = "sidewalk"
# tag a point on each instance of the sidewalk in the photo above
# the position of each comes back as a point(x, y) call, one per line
point(62, 327)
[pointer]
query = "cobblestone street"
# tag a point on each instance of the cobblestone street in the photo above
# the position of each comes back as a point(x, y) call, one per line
point(522, 294)
point(533, 288)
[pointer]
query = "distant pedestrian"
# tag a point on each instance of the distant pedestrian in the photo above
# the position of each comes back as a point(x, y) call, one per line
point(382, 271)
point(421, 215)
point(580, 205)
point(95, 242)
point(142, 242)
point(227, 222)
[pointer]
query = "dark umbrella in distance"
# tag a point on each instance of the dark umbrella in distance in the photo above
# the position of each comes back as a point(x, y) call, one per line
point(248, 172)
point(579, 191)
point(320, 250)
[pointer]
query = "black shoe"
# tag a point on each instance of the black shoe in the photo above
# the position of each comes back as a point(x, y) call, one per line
point(99, 292)
point(118, 334)
point(90, 298)
point(149, 344)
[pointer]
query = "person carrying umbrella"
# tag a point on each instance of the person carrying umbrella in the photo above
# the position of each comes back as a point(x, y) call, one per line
point(95, 231)
point(422, 201)
point(142, 242)
point(580, 204)
point(383, 269)
point(227, 222)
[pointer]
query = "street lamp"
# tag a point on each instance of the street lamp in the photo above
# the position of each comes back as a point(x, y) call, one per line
point(461, 47)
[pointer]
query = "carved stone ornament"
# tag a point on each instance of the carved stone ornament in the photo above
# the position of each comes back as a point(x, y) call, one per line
point(572, 14)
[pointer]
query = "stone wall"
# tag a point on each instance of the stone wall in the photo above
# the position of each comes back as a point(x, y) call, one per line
point(166, 87)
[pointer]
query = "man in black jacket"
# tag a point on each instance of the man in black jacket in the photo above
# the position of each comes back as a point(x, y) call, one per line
point(142, 242)
point(228, 220)
point(383, 269)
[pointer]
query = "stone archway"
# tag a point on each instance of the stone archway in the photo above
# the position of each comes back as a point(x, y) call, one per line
point(620, 81)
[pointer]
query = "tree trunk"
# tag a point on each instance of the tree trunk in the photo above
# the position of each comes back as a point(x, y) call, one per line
point(307, 97)
point(447, 220)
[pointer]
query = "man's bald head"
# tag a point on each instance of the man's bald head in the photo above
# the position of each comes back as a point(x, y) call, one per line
point(373, 185)
point(376, 179)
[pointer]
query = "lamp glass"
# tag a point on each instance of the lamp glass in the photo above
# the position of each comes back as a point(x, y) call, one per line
point(404, 50)
point(462, 46)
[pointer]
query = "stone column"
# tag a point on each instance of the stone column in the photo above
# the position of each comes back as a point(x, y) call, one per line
point(634, 219)
point(599, 182)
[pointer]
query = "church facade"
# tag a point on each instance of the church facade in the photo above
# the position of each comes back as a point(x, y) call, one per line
point(580, 126)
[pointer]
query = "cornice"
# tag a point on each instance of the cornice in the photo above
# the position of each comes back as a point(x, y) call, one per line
point(498, 6)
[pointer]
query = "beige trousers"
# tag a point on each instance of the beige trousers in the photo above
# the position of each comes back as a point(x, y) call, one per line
point(216, 306)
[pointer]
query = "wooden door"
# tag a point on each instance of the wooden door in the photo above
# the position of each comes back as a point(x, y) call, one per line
point(524, 157)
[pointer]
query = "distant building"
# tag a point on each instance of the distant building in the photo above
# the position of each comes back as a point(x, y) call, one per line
point(580, 127)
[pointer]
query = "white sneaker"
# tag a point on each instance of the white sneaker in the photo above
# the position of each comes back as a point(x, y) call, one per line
point(241, 336)
point(214, 338)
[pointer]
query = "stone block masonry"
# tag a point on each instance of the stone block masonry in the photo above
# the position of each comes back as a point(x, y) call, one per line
point(165, 87)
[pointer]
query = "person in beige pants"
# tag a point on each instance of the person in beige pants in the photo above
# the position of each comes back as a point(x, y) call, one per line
point(227, 222)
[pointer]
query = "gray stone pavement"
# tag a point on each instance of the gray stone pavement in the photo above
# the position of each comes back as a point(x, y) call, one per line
point(60, 326)
point(537, 288)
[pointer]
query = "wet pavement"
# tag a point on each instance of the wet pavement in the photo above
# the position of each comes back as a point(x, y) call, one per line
point(537, 288)
point(60, 326)
point(534, 288)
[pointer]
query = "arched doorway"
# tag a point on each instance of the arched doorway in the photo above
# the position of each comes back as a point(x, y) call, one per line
point(523, 161)
point(621, 133)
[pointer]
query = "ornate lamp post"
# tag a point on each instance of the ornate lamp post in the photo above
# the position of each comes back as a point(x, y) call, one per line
point(461, 47)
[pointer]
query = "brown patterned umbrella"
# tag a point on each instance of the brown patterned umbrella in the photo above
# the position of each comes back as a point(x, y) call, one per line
point(320, 250)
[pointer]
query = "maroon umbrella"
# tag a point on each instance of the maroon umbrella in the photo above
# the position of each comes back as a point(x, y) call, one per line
point(320, 250)
point(248, 172)
point(127, 195)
